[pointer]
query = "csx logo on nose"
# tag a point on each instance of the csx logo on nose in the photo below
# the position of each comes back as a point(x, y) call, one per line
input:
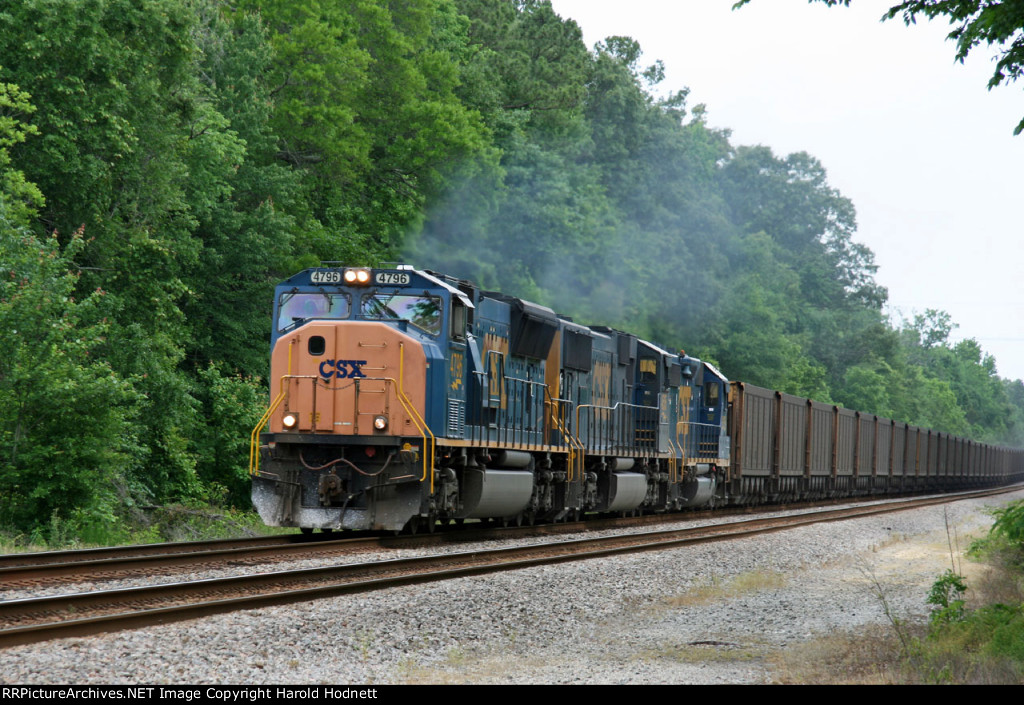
point(341, 369)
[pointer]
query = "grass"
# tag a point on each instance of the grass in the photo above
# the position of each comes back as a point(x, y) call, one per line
point(460, 667)
point(870, 656)
point(704, 652)
point(718, 589)
point(177, 522)
point(975, 634)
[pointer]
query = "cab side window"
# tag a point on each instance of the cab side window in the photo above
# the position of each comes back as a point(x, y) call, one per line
point(711, 392)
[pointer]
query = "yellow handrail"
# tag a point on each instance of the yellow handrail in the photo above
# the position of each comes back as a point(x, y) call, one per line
point(672, 461)
point(254, 458)
point(583, 450)
point(574, 443)
point(416, 418)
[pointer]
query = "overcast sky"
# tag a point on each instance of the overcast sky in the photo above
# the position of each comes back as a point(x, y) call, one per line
point(916, 141)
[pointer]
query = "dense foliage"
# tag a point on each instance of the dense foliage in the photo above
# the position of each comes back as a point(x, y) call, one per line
point(164, 162)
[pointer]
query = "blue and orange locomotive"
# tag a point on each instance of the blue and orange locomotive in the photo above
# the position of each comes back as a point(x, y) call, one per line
point(403, 397)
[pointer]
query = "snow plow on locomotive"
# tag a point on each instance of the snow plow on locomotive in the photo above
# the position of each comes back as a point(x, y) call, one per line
point(403, 397)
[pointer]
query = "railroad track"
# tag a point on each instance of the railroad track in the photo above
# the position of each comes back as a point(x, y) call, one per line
point(32, 620)
point(50, 568)
point(24, 570)
point(20, 570)
point(109, 563)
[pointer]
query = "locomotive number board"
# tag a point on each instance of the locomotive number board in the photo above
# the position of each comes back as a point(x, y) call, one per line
point(392, 278)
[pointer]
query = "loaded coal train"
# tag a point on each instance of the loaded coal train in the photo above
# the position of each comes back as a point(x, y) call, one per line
point(401, 398)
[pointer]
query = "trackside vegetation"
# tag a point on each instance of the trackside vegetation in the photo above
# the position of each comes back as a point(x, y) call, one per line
point(974, 633)
point(164, 162)
point(983, 642)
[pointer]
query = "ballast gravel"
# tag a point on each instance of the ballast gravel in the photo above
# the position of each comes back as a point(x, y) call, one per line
point(713, 613)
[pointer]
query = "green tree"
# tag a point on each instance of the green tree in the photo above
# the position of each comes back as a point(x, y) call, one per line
point(232, 405)
point(365, 107)
point(133, 146)
point(248, 207)
point(21, 198)
point(543, 229)
point(66, 432)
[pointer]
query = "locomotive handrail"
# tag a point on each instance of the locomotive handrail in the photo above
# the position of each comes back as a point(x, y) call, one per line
point(254, 458)
point(511, 384)
point(573, 442)
point(704, 431)
point(673, 461)
point(576, 450)
point(505, 423)
point(681, 440)
point(681, 437)
point(417, 419)
point(617, 406)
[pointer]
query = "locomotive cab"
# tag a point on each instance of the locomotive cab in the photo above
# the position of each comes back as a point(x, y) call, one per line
point(356, 357)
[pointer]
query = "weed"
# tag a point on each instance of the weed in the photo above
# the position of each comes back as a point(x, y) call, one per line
point(456, 657)
point(716, 589)
point(138, 526)
point(947, 594)
point(363, 643)
point(703, 653)
point(870, 655)
point(967, 640)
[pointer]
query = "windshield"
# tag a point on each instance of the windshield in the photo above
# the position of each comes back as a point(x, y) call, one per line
point(297, 308)
point(424, 312)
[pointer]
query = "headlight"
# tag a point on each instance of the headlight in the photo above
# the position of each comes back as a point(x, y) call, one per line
point(290, 420)
point(380, 422)
point(359, 277)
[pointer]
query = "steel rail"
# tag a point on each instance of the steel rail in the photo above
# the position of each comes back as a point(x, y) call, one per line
point(32, 620)
point(16, 560)
point(122, 561)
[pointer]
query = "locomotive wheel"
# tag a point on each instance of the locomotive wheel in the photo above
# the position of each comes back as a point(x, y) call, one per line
point(306, 530)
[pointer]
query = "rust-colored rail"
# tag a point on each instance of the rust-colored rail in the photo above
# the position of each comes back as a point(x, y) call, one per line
point(39, 619)
point(18, 560)
point(123, 561)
